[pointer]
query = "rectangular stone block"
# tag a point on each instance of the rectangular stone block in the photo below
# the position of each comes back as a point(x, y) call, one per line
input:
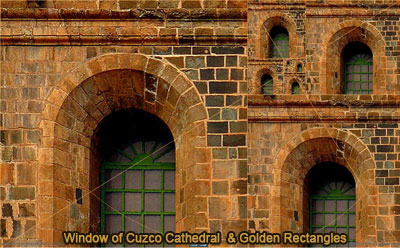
point(22, 193)
point(222, 87)
point(234, 140)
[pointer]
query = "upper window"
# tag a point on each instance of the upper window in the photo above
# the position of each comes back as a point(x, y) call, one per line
point(299, 68)
point(358, 69)
point(279, 42)
point(295, 88)
point(267, 85)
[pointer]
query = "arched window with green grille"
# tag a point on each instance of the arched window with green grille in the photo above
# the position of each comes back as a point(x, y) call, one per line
point(267, 85)
point(295, 88)
point(358, 69)
point(138, 176)
point(279, 42)
point(333, 202)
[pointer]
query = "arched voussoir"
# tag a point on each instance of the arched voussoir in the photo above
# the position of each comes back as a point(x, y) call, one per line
point(319, 146)
point(77, 106)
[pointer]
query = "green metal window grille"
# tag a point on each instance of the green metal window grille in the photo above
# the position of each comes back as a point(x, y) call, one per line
point(280, 43)
point(138, 189)
point(332, 209)
point(358, 74)
point(267, 85)
point(295, 88)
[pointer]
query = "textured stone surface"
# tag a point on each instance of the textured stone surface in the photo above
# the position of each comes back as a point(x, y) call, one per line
point(196, 65)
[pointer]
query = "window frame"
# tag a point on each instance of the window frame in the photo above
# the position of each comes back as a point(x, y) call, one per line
point(268, 81)
point(335, 197)
point(279, 38)
point(141, 162)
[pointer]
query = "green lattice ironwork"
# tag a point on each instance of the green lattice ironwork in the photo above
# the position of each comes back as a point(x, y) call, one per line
point(280, 44)
point(295, 88)
point(267, 85)
point(138, 190)
point(358, 74)
point(332, 209)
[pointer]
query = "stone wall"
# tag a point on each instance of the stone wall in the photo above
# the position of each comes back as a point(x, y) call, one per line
point(194, 59)
point(288, 135)
point(66, 65)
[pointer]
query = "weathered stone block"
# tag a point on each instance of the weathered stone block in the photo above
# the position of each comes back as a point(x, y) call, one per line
point(222, 74)
point(217, 127)
point(22, 193)
point(215, 101)
point(214, 113)
point(27, 209)
point(213, 140)
point(238, 127)
point(220, 188)
point(194, 62)
point(222, 87)
point(7, 210)
point(228, 50)
point(7, 173)
point(215, 61)
point(238, 187)
point(207, 74)
point(234, 140)
point(3, 228)
point(17, 228)
point(229, 114)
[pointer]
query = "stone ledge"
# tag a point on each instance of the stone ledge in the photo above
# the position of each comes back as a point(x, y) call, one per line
point(323, 119)
point(143, 14)
point(324, 101)
point(121, 40)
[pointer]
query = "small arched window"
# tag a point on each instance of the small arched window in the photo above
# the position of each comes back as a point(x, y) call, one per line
point(358, 69)
point(267, 85)
point(295, 88)
point(279, 42)
point(299, 68)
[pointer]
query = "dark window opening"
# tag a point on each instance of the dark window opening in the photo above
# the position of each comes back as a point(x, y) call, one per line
point(358, 69)
point(137, 174)
point(295, 88)
point(299, 68)
point(267, 85)
point(279, 42)
point(332, 201)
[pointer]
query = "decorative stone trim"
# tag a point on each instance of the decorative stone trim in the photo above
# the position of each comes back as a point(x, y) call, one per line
point(133, 14)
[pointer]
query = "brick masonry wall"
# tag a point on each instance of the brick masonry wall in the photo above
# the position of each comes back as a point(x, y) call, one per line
point(279, 124)
point(272, 128)
point(220, 47)
point(31, 73)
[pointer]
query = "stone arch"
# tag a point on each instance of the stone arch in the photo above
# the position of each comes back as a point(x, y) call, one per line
point(312, 147)
point(264, 29)
point(76, 106)
point(331, 60)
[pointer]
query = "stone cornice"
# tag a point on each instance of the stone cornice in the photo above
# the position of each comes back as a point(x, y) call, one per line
point(299, 101)
point(133, 14)
point(78, 40)
point(323, 119)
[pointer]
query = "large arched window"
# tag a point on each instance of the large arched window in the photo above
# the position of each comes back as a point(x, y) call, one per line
point(358, 69)
point(137, 174)
point(332, 200)
point(267, 85)
point(279, 42)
